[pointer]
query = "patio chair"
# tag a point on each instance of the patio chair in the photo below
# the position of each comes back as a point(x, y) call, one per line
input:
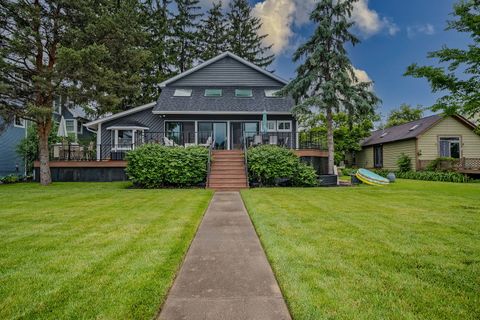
point(208, 143)
point(273, 140)
point(257, 140)
point(168, 143)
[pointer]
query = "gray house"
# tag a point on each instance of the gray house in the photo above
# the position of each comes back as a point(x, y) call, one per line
point(221, 102)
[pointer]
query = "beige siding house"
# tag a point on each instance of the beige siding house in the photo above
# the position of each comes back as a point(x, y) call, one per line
point(423, 140)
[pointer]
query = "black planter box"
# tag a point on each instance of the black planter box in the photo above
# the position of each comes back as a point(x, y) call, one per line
point(328, 180)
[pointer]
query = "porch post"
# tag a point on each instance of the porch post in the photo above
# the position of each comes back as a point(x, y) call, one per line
point(228, 136)
point(297, 141)
point(196, 133)
point(99, 142)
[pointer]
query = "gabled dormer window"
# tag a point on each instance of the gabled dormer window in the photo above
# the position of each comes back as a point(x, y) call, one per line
point(182, 93)
point(213, 92)
point(243, 93)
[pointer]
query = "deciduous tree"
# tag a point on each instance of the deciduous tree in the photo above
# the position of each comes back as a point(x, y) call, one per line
point(461, 79)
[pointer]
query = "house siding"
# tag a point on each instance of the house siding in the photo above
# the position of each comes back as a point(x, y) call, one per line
point(393, 151)
point(226, 72)
point(428, 141)
point(9, 159)
point(364, 158)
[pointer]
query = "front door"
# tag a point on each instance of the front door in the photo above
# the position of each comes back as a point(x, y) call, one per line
point(378, 156)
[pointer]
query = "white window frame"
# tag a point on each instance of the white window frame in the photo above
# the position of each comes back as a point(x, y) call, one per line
point(460, 147)
point(22, 121)
point(79, 125)
point(183, 93)
point(274, 129)
point(74, 125)
point(116, 147)
point(284, 130)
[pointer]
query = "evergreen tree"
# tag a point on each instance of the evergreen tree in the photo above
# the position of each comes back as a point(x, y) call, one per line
point(461, 79)
point(160, 66)
point(404, 114)
point(213, 33)
point(185, 34)
point(57, 47)
point(325, 81)
point(243, 35)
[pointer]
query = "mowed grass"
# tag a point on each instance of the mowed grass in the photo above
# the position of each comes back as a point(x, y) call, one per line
point(407, 251)
point(92, 250)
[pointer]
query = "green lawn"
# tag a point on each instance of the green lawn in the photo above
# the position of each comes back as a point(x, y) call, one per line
point(407, 251)
point(99, 250)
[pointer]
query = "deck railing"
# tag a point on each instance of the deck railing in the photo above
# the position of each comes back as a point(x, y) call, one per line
point(461, 165)
point(100, 152)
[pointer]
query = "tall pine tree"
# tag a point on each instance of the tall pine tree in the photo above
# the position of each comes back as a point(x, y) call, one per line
point(325, 81)
point(185, 34)
point(243, 35)
point(158, 25)
point(213, 34)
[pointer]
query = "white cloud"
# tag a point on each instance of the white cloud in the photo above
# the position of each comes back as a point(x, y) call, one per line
point(426, 29)
point(362, 75)
point(277, 18)
point(369, 22)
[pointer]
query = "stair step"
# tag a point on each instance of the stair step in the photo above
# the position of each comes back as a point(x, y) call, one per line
point(234, 175)
point(227, 180)
point(228, 166)
point(218, 186)
point(241, 161)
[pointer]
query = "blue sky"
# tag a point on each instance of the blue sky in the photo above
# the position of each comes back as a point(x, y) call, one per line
point(394, 34)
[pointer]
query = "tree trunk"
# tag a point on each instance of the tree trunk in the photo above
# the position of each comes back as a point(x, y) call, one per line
point(330, 142)
point(43, 133)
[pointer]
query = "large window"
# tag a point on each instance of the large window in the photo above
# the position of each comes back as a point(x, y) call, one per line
point(182, 93)
point(180, 132)
point(213, 92)
point(243, 93)
point(449, 147)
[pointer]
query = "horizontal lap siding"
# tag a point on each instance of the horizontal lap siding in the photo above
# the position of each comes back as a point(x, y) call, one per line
point(428, 142)
point(226, 72)
point(9, 158)
point(393, 151)
point(364, 158)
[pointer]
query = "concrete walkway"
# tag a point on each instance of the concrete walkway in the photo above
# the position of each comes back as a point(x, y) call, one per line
point(226, 274)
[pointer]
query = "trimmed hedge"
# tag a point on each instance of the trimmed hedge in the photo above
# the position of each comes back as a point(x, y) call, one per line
point(269, 164)
point(447, 176)
point(156, 166)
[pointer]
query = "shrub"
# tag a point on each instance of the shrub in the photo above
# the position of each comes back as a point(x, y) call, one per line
point(348, 171)
point(267, 164)
point(442, 164)
point(404, 163)
point(428, 176)
point(154, 166)
point(11, 178)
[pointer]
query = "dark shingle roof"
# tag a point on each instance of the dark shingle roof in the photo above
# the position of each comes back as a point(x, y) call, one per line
point(227, 103)
point(405, 131)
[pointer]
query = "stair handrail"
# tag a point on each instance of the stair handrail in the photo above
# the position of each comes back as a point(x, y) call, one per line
point(245, 159)
point(209, 165)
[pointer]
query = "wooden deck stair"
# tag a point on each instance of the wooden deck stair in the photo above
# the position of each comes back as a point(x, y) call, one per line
point(227, 171)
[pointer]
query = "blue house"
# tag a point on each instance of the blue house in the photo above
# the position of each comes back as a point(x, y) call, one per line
point(11, 162)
